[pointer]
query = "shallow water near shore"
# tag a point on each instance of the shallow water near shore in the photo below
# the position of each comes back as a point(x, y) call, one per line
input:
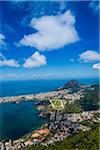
point(18, 119)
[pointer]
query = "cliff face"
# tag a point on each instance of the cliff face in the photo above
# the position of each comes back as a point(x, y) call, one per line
point(74, 85)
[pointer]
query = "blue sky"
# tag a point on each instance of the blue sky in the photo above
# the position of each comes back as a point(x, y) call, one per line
point(49, 39)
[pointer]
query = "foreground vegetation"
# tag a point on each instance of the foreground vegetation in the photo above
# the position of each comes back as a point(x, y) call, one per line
point(82, 141)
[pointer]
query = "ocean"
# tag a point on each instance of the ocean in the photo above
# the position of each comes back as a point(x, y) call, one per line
point(13, 88)
point(18, 119)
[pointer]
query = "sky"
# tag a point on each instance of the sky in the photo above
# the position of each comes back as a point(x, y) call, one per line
point(49, 39)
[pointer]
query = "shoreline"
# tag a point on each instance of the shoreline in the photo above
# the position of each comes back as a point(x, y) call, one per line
point(75, 122)
point(58, 94)
point(26, 97)
point(64, 92)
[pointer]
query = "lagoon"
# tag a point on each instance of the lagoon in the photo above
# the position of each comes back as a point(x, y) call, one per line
point(16, 120)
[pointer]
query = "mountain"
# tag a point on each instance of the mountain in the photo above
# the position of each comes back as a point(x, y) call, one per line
point(74, 85)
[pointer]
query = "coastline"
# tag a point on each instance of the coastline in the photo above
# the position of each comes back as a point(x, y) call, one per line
point(60, 124)
point(41, 96)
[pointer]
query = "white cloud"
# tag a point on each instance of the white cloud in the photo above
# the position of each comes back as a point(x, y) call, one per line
point(96, 66)
point(9, 62)
point(2, 38)
point(36, 60)
point(89, 56)
point(53, 32)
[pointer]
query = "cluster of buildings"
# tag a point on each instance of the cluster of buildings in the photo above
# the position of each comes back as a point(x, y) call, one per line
point(34, 138)
point(87, 115)
point(16, 99)
point(60, 94)
point(62, 127)
point(11, 145)
point(59, 126)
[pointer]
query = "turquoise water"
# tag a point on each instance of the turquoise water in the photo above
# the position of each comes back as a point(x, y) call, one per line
point(18, 119)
